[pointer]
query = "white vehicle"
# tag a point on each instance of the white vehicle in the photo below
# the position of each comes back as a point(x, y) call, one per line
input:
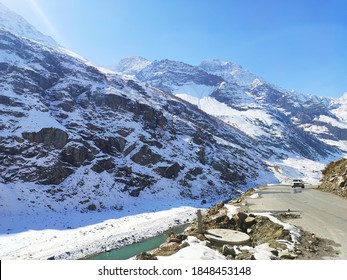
point(298, 183)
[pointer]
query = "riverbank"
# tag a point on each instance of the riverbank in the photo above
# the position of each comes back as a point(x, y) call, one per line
point(81, 235)
point(59, 236)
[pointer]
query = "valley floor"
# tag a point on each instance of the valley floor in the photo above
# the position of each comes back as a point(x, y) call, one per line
point(79, 235)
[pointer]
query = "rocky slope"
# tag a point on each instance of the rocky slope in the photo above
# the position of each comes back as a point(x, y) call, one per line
point(76, 137)
point(335, 178)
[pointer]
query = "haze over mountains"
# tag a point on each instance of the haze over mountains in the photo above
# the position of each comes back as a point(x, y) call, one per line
point(76, 137)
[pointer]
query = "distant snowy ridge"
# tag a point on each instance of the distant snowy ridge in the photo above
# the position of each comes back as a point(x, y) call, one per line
point(229, 71)
point(131, 65)
point(16, 24)
point(286, 123)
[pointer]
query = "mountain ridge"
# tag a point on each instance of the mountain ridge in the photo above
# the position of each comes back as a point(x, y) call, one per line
point(253, 93)
point(75, 137)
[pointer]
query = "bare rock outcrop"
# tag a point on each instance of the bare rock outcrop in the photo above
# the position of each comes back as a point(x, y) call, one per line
point(335, 178)
point(48, 136)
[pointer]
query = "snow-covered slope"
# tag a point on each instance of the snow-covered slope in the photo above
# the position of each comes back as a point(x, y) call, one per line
point(339, 107)
point(289, 126)
point(77, 138)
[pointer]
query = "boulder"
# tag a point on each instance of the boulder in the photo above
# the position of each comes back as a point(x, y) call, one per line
point(112, 101)
point(8, 101)
point(244, 255)
point(227, 172)
point(118, 143)
point(146, 256)
point(129, 149)
point(103, 165)
point(170, 172)
point(124, 131)
point(54, 174)
point(92, 207)
point(67, 105)
point(265, 231)
point(48, 136)
point(111, 145)
point(228, 250)
point(75, 154)
point(135, 183)
point(168, 249)
point(146, 156)
point(152, 118)
point(173, 237)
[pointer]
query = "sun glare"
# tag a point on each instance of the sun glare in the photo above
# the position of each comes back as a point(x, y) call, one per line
point(40, 12)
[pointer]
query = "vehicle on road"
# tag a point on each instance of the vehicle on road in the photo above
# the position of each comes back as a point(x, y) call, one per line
point(298, 183)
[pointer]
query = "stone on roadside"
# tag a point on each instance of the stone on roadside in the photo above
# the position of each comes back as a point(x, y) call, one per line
point(228, 251)
point(146, 256)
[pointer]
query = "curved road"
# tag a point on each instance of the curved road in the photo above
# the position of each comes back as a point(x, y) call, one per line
point(323, 214)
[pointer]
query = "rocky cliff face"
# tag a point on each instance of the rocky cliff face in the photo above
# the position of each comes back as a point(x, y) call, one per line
point(335, 178)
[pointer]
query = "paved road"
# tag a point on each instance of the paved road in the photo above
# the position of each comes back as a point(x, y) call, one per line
point(323, 214)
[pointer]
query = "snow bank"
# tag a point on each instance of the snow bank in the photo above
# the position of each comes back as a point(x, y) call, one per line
point(253, 196)
point(80, 242)
point(260, 252)
point(232, 210)
point(197, 250)
point(294, 232)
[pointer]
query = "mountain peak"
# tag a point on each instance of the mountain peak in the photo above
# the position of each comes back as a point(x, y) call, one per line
point(132, 65)
point(344, 96)
point(218, 63)
point(17, 25)
point(230, 71)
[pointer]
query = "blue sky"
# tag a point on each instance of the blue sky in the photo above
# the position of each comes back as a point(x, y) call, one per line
point(299, 45)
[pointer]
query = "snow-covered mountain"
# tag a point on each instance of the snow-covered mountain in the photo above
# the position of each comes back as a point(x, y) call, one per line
point(276, 117)
point(291, 127)
point(74, 137)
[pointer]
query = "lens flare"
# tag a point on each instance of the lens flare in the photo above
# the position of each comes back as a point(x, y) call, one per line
point(40, 12)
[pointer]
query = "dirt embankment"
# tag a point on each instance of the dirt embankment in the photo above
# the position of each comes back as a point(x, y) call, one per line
point(335, 178)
